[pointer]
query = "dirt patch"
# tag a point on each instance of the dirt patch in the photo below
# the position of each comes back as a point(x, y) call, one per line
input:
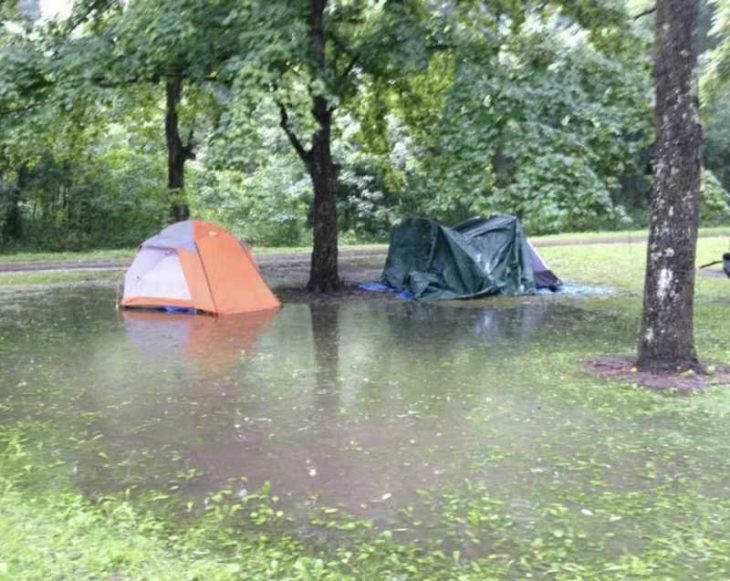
point(348, 292)
point(622, 369)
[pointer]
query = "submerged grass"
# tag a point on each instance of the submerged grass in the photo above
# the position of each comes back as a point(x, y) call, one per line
point(583, 479)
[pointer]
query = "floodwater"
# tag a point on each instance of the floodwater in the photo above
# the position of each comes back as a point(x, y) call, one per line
point(349, 406)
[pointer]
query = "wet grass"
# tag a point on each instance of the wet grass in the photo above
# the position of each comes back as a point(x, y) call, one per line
point(535, 469)
point(621, 266)
point(13, 280)
point(635, 233)
point(79, 256)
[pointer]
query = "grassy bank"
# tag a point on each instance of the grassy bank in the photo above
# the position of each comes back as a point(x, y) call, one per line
point(11, 280)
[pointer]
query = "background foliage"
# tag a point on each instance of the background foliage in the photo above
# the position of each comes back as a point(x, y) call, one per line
point(539, 110)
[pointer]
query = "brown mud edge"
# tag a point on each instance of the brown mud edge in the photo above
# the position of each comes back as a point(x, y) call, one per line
point(623, 369)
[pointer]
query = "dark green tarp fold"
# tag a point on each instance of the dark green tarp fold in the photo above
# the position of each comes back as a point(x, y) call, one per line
point(479, 257)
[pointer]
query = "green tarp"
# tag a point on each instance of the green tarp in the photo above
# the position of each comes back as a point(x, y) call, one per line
point(479, 257)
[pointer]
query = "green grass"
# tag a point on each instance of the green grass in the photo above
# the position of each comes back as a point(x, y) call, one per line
point(62, 537)
point(10, 280)
point(127, 254)
point(82, 256)
point(621, 266)
point(635, 233)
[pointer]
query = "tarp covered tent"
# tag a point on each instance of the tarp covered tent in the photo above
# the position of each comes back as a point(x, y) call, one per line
point(478, 257)
point(196, 265)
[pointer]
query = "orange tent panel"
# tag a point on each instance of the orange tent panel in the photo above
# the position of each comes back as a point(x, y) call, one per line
point(235, 283)
point(197, 283)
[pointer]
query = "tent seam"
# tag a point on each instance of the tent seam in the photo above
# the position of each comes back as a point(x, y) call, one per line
point(207, 280)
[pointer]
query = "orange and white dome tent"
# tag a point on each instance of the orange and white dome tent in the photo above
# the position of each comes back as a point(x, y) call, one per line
point(196, 265)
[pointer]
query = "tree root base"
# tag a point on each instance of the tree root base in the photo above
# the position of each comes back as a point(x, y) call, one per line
point(624, 369)
point(325, 287)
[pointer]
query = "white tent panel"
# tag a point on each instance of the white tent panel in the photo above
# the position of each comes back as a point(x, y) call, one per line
point(156, 273)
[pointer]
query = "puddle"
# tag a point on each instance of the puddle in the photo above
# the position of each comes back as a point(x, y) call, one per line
point(353, 405)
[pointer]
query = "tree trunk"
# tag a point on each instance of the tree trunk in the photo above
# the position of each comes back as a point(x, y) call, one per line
point(12, 225)
point(323, 276)
point(666, 343)
point(177, 152)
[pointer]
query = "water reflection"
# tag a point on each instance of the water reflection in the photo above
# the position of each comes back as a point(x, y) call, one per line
point(375, 408)
point(325, 334)
point(212, 344)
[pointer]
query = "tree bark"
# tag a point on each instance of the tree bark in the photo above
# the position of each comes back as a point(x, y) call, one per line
point(324, 275)
point(666, 343)
point(177, 152)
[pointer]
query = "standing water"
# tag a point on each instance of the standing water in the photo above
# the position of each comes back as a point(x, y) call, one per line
point(472, 425)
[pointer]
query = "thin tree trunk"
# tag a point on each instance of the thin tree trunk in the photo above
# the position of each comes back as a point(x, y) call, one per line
point(666, 343)
point(12, 226)
point(324, 276)
point(177, 152)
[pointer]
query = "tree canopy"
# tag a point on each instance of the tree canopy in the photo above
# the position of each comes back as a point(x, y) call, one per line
point(257, 113)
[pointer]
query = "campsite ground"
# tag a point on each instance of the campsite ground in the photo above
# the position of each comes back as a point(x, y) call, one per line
point(533, 467)
point(284, 268)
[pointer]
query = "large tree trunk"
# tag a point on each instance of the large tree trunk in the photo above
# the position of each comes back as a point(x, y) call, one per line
point(323, 276)
point(666, 343)
point(177, 152)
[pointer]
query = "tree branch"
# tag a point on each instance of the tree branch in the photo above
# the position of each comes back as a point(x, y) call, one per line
point(189, 147)
point(18, 110)
point(349, 67)
point(284, 123)
point(440, 46)
point(645, 13)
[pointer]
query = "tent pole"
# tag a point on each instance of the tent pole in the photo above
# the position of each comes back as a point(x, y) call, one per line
point(207, 280)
